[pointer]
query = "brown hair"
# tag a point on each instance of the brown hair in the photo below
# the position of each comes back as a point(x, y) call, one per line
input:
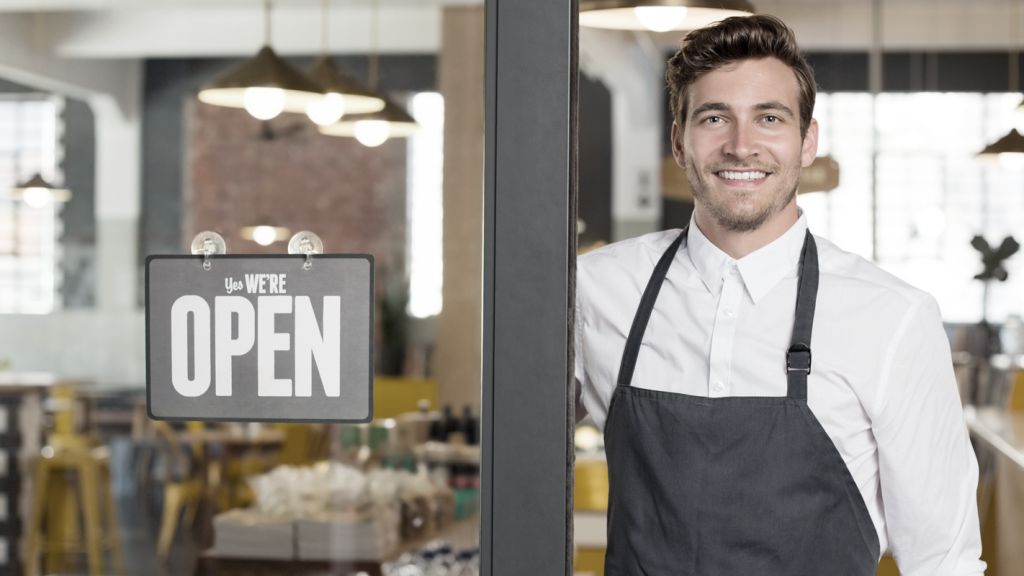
point(733, 40)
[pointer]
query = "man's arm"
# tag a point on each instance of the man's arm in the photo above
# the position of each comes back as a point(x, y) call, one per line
point(927, 467)
point(581, 410)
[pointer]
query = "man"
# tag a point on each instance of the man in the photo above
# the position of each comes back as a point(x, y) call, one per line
point(731, 449)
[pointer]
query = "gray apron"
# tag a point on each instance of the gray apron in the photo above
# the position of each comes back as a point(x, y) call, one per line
point(730, 486)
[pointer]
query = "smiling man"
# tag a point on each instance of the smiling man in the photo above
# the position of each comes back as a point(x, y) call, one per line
point(732, 450)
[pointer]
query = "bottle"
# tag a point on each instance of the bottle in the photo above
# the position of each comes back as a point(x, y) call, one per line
point(1011, 335)
point(470, 427)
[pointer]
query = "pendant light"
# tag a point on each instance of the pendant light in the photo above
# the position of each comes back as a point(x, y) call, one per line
point(1008, 151)
point(373, 129)
point(37, 192)
point(659, 15)
point(264, 234)
point(264, 85)
point(344, 94)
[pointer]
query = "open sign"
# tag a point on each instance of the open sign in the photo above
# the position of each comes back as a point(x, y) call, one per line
point(260, 338)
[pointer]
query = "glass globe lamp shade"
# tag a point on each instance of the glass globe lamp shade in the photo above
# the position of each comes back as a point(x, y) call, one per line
point(264, 234)
point(371, 133)
point(328, 110)
point(660, 18)
point(264, 103)
point(659, 15)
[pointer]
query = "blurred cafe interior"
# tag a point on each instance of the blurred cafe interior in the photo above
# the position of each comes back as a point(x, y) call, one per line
point(127, 128)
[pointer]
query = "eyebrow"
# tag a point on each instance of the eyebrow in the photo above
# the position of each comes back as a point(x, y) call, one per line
point(721, 106)
point(774, 105)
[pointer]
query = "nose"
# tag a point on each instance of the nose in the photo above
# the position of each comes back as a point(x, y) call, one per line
point(742, 142)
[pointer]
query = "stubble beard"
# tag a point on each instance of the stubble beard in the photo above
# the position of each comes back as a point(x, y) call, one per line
point(718, 207)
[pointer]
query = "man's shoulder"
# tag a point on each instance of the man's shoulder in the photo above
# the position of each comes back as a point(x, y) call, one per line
point(861, 277)
point(629, 253)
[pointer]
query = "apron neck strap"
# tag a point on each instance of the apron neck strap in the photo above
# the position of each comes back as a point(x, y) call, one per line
point(798, 357)
point(643, 313)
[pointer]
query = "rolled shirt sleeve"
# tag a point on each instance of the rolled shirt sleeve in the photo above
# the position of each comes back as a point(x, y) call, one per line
point(927, 468)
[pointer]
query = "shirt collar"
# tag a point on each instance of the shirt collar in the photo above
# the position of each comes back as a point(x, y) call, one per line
point(760, 270)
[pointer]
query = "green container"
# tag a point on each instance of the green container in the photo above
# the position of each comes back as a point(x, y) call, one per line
point(467, 502)
point(351, 436)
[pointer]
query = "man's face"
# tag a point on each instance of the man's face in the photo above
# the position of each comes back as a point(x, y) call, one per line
point(741, 147)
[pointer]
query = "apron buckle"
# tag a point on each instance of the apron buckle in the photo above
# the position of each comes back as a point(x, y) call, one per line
point(798, 348)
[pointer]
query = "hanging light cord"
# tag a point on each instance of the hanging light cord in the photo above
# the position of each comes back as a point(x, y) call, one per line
point(266, 22)
point(324, 26)
point(1014, 46)
point(374, 57)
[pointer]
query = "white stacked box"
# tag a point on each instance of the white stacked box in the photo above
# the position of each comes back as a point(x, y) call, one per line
point(348, 536)
point(247, 533)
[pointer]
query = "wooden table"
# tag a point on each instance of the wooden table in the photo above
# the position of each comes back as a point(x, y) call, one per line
point(1000, 429)
point(210, 564)
point(998, 436)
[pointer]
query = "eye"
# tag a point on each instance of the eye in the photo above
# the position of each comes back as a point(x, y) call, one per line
point(771, 119)
point(713, 119)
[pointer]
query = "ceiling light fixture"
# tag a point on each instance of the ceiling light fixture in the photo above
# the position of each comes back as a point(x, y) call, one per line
point(374, 128)
point(659, 15)
point(1008, 151)
point(265, 85)
point(344, 94)
point(264, 234)
point(37, 192)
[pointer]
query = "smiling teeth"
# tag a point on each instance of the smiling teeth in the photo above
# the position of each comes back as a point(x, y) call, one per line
point(742, 175)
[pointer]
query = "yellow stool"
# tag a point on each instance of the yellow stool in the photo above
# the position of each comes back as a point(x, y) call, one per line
point(56, 506)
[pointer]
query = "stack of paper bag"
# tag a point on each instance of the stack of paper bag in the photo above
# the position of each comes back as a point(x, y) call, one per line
point(247, 533)
point(348, 536)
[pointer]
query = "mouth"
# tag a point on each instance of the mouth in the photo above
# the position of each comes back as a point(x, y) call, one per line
point(742, 177)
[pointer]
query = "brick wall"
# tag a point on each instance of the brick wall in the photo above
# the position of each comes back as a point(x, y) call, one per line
point(352, 196)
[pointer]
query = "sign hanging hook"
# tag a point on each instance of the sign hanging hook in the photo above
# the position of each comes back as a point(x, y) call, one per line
point(308, 243)
point(207, 243)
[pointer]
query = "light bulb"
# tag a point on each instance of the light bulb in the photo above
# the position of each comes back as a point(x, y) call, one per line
point(326, 110)
point(372, 133)
point(1012, 160)
point(264, 235)
point(660, 18)
point(36, 197)
point(264, 103)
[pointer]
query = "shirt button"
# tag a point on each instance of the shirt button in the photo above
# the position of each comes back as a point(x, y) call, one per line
point(719, 386)
point(727, 312)
point(734, 272)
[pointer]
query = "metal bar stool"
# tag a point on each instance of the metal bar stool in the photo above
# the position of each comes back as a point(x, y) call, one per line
point(72, 495)
point(69, 481)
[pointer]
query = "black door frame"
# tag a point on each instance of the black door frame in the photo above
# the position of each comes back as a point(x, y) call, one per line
point(529, 287)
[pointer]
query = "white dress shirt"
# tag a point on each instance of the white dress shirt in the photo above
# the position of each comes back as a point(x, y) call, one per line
point(881, 381)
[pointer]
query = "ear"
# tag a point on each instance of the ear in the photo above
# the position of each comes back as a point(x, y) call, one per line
point(810, 145)
point(677, 146)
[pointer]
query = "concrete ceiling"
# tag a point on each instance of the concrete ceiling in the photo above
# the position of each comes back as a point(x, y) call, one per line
point(102, 29)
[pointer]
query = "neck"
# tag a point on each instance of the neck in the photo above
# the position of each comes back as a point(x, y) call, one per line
point(739, 244)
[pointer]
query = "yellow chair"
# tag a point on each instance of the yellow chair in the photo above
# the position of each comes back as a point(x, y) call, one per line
point(304, 444)
point(184, 484)
point(56, 508)
point(393, 395)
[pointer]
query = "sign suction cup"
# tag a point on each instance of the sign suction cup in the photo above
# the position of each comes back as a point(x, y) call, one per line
point(206, 243)
point(308, 243)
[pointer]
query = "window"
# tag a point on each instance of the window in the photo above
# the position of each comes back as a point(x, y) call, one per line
point(425, 209)
point(933, 197)
point(29, 133)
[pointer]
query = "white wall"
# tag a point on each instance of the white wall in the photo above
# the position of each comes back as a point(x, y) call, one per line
point(629, 66)
point(105, 344)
